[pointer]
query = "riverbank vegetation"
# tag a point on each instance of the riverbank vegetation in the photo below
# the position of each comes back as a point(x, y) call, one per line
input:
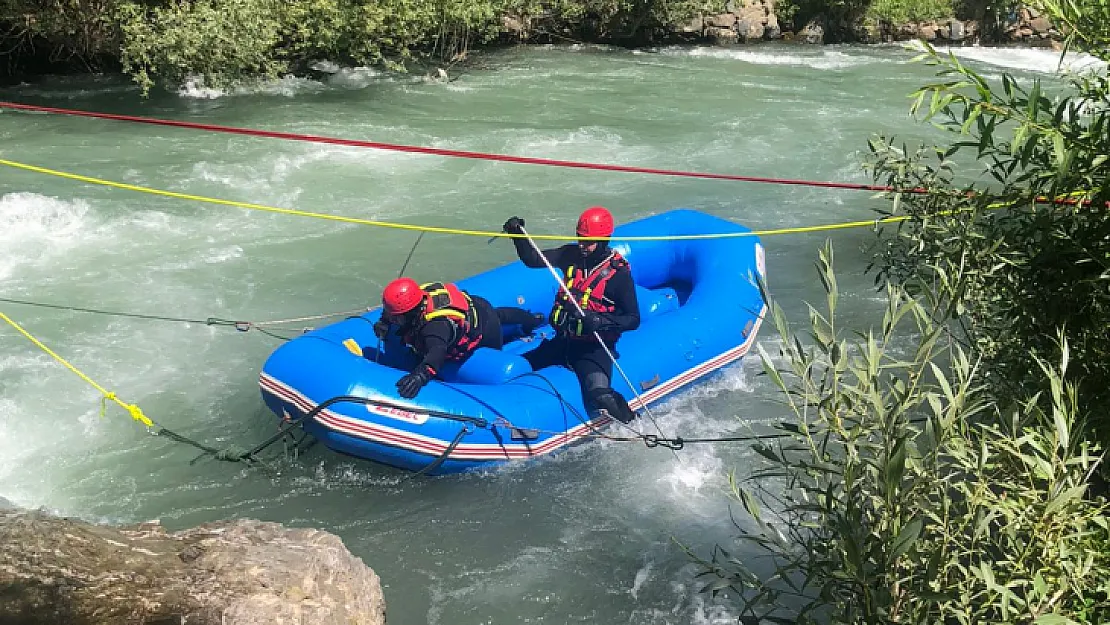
point(852, 12)
point(959, 478)
point(221, 41)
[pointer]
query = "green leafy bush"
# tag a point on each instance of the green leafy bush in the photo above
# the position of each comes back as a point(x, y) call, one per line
point(224, 41)
point(904, 493)
point(1017, 268)
point(951, 482)
point(903, 11)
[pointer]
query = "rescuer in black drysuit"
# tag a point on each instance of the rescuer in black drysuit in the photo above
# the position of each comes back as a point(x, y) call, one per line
point(600, 280)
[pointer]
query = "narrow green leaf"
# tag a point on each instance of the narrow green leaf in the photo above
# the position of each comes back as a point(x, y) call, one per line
point(906, 538)
point(770, 370)
point(1064, 498)
point(750, 504)
point(1062, 430)
point(896, 466)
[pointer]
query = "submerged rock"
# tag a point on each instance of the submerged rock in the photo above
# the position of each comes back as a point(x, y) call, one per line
point(55, 570)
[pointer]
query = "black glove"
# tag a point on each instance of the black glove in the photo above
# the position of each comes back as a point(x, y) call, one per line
point(411, 384)
point(592, 322)
point(381, 328)
point(515, 225)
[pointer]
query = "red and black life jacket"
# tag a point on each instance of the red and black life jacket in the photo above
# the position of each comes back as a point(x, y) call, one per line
point(588, 288)
point(447, 301)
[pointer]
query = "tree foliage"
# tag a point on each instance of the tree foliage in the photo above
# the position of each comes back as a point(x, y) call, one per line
point(1023, 249)
point(223, 41)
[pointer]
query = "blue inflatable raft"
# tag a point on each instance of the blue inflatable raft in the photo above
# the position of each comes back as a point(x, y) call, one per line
point(700, 307)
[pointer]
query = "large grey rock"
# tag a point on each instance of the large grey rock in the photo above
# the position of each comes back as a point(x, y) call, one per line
point(905, 32)
point(514, 25)
point(927, 31)
point(749, 30)
point(722, 36)
point(723, 20)
point(242, 572)
point(1040, 24)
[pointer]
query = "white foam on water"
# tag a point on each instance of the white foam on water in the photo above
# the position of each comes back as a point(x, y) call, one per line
point(194, 88)
point(643, 575)
point(35, 227)
point(222, 255)
point(252, 181)
point(588, 143)
point(821, 59)
point(583, 47)
point(457, 88)
point(1038, 60)
point(689, 484)
point(286, 86)
point(337, 77)
point(667, 594)
point(35, 430)
point(266, 180)
point(587, 138)
point(355, 77)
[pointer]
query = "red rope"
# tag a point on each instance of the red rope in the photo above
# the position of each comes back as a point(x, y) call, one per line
point(526, 160)
point(444, 152)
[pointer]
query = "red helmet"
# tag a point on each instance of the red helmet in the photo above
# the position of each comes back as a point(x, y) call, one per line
point(595, 221)
point(401, 296)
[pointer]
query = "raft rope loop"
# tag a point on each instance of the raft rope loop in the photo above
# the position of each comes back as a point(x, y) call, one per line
point(466, 421)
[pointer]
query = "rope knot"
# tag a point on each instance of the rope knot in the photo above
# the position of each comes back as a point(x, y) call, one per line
point(651, 440)
point(137, 414)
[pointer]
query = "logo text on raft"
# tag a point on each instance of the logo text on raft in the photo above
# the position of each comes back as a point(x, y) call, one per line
point(397, 413)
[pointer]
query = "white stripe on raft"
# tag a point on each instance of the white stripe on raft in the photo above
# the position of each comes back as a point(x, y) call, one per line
point(703, 369)
point(423, 444)
point(492, 451)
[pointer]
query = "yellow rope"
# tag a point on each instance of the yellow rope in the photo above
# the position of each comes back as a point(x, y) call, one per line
point(412, 227)
point(482, 233)
point(135, 412)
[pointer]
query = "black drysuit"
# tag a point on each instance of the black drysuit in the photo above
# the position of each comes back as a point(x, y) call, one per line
point(583, 354)
point(433, 339)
